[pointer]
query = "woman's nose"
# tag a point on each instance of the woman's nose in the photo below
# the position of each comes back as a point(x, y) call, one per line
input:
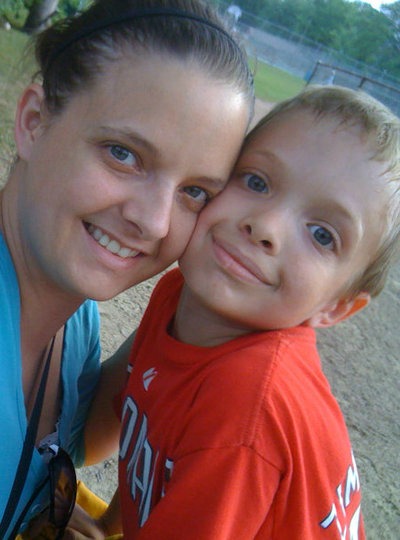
point(150, 209)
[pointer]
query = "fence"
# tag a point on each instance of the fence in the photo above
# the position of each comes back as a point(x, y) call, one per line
point(333, 74)
point(300, 56)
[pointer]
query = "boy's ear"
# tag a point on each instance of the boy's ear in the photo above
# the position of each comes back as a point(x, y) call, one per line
point(29, 119)
point(339, 311)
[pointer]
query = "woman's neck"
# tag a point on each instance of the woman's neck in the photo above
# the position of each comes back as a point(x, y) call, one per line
point(42, 315)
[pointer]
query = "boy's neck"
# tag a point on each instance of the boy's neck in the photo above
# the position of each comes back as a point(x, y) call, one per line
point(195, 324)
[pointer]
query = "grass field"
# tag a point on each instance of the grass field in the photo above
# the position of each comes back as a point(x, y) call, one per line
point(272, 84)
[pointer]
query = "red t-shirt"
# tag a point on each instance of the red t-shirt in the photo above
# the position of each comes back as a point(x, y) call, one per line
point(240, 441)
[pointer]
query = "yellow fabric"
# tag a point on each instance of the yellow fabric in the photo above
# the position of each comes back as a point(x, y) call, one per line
point(93, 505)
point(89, 501)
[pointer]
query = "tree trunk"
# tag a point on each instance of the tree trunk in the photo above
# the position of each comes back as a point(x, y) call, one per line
point(39, 15)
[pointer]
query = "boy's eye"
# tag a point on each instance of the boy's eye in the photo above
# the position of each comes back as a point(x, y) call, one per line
point(322, 236)
point(255, 183)
point(123, 155)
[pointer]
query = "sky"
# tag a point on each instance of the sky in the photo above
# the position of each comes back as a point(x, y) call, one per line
point(377, 3)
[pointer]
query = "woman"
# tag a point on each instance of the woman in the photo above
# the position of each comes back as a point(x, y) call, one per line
point(141, 112)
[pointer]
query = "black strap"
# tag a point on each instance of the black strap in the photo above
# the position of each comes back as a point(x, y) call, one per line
point(27, 450)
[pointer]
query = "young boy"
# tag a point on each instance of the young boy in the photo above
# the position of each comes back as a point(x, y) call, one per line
point(229, 427)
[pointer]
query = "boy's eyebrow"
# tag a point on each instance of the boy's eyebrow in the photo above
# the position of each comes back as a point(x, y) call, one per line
point(349, 218)
point(265, 153)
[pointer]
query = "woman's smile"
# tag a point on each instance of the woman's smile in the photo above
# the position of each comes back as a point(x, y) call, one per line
point(110, 244)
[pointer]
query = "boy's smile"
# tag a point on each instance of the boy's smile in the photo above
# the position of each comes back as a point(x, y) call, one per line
point(300, 219)
point(235, 262)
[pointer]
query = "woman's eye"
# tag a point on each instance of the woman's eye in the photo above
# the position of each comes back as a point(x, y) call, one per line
point(123, 155)
point(322, 236)
point(197, 193)
point(255, 183)
point(197, 198)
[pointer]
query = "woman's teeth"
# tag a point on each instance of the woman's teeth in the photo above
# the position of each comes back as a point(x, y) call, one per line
point(111, 245)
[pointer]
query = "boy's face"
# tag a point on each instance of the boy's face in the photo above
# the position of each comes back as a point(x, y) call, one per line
point(299, 220)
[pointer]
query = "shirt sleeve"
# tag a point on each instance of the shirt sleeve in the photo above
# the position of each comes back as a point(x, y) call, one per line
point(220, 494)
point(81, 372)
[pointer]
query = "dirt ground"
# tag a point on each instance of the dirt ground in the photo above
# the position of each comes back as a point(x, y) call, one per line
point(361, 359)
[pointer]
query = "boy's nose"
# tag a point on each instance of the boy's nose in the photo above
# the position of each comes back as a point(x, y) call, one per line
point(265, 230)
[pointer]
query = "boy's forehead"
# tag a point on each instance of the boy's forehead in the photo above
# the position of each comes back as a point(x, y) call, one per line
point(298, 117)
point(303, 129)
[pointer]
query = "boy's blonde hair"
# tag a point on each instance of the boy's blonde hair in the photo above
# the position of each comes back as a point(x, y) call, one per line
point(382, 134)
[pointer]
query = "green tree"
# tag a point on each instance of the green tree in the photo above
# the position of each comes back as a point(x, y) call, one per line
point(352, 28)
point(364, 34)
point(13, 12)
point(39, 15)
point(391, 60)
point(392, 12)
point(31, 16)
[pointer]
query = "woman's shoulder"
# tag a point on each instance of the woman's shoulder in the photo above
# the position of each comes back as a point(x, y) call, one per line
point(82, 331)
point(86, 317)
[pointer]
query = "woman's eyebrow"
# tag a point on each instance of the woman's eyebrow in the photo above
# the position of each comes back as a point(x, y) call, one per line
point(128, 133)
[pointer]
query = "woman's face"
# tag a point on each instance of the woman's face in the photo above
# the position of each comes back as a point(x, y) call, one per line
point(109, 190)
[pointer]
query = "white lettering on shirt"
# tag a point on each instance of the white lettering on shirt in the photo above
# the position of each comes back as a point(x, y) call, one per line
point(338, 513)
point(141, 459)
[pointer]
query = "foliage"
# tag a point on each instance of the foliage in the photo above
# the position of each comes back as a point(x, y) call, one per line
point(392, 11)
point(352, 28)
point(15, 12)
point(68, 8)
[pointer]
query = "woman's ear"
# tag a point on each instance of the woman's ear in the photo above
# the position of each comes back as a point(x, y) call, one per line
point(339, 311)
point(29, 119)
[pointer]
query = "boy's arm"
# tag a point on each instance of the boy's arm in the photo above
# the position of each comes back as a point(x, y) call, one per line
point(82, 526)
point(103, 426)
